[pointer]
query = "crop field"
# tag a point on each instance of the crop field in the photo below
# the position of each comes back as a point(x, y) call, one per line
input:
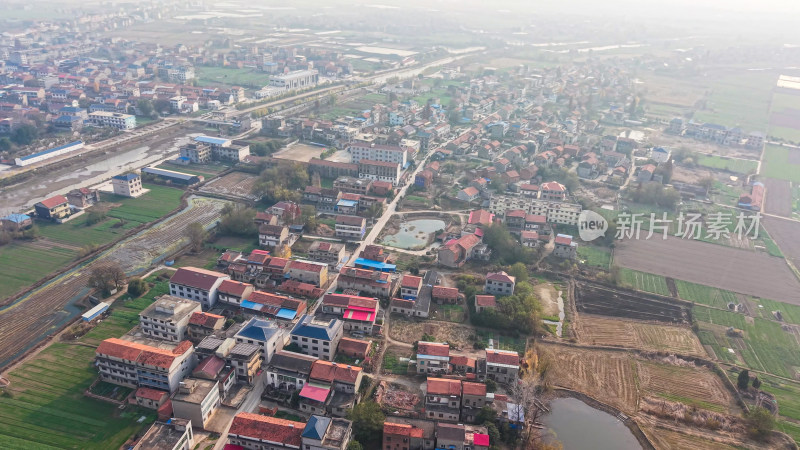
point(784, 120)
point(666, 439)
point(609, 377)
point(779, 198)
point(732, 165)
point(646, 282)
point(236, 184)
point(706, 295)
point(38, 263)
point(46, 308)
point(501, 342)
point(712, 265)
point(595, 330)
point(602, 300)
point(785, 233)
point(449, 313)
point(232, 76)
point(595, 256)
point(45, 408)
point(765, 345)
point(392, 363)
point(781, 162)
point(706, 390)
point(790, 313)
point(151, 206)
point(742, 99)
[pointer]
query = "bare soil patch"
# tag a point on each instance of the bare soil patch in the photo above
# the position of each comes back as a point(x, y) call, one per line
point(695, 386)
point(299, 152)
point(664, 439)
point(737, 270)
point(235, 184)
point(785, 233)
point(606, 376)
point(779, 195)
point(410, 331)
point(548, 296)
point(594, 330)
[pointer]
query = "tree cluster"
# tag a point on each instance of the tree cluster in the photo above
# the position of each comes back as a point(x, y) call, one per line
point(282, 183)
point(237, 220)
point(106, 277)
point(368, 421)
point(265, 148)
point(656, 194)
point(505, 248)
point(519, 313)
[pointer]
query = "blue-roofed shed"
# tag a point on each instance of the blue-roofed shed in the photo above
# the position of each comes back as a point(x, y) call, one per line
point(375, 265)
point(212, 140)
point(16, 218)
point(126, 176)
point(251, 305)
point(316, 427)
point(286, 313)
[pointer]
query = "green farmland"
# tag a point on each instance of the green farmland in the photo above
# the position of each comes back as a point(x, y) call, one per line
point(44, 407)
point(595, 256)
point(38, 263)
point(705, 295)
point(232, 76)
point(739, 100)
point(645, 282)
point(743, 166)
point(776, 164)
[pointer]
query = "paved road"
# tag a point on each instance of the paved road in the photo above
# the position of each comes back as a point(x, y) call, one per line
point(248, 405)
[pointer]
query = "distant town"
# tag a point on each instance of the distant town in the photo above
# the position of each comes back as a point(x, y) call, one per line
point(232, 226)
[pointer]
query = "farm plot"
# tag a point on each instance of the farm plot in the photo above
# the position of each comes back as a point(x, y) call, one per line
point(603, 331)
point(785, 233)
point(396, 360)
point(784, 120)
point(665, 439)
point(593, 298)
point(764, 346)
point(45, 309)
point(713, 265)
point(147, 208)
point(741, 99)
point(501, 342)
point(706, 391)
point(594, 256)
point(449, 313)
point(410, 331)
point(706, 295)
point(607, 376)
point(782, 163)
point(234, 184)
point(45, 406)
point(38, 263)
point(778, 198)
point(743, 166)
point(646, 282)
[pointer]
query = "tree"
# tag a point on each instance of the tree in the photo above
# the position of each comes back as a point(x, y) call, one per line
point(145, 106)
point(760, 422)
point(106, 277)
point(744, 379)
point(197, 235)
point(355, 445)
point(25, 135)
point(137, 287)
point(282, 183)
point(161, 105)
point(237, 220)
point(5, 144)
point(519, 271)
point(368, 421)
point(756, 383)
point(309, 217)
point(525, 392)
point(487, 414)
point(491, 385)
point(95, 216)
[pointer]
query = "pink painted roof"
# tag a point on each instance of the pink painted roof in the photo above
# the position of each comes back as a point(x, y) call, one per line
point(315, 393)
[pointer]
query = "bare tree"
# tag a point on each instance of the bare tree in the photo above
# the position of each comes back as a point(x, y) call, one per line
point(107, 277)
point(525, 393)
point(197, 235)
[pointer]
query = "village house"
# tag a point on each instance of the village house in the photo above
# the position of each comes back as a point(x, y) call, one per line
point(410, 287)
point(272, 236)
point(485, 302)
point(83, 197)
point(196, 400)
point(443, 399)
point(150, 398)
point(499, 283)
point(354, 348)
point(457, 252)
point(402, 436)
point(203, 324)
point(53, 208)
point(473, 398)
point(331, 253)
point(553, 191)
point(266, 335)
point(316, 337)
point(350, 227)
point(132, 364)
point(197, 284)
point(233, 292)
point(326, 433)
point(461, 437)
point(445, 295)
point(245, 359)
point(502, 365)
point(357, 313)
point(367, 282)
point(462, 365)
point(168, 318)
point(176, 434)
point(309, 272)
point(433, 358)
point(251, 431)
point(288, 371)
point(565, 247)
point(529, 239)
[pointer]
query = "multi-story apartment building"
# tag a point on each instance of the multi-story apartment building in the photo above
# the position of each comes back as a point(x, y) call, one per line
point(197, 284)
point(267, 335)
point(443, 399)
point(132, 364)
point(367, 282)
point(127, 185)
point(111, 119)
point(168, 318)
point(288, 371)
point(376, 152)
point(380, 170)
point(318, 338)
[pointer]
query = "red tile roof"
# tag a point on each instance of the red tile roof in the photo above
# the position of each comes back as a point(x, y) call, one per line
point(535, 218)
point(205, 319)
point(329, 371)
point(54, 201)
point(563, 240)
point(515, 213)
point(481, 217)
point(470, 191)
point(410, 281)
point(140, 353)
point(441, 386)
point(529, 235)
point(267, 428)
point(502, 357)
point(350, 220)
point(486, 301)
point(306, 266)
point(354, 346)
point(555, 186)
point(433, 349)
point(478, 389)
point(231, 287)
point(196, 278)
point(501, 277)
point(459, 360)
point(151, 394)
point(399, 429)
point(444, 292)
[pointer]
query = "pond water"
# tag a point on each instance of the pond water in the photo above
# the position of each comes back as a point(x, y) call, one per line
point(414, 233)
point(579, 426)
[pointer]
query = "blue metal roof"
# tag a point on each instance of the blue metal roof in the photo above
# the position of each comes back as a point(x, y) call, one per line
point(347, 203)
point(311, 331)
point(211, 140)
point(16, 218)
point(54, 149)
point(251, 305)
point(375, 264)
point(126, 176)
point(316, 427)
point(258, 329)
point(286, 313)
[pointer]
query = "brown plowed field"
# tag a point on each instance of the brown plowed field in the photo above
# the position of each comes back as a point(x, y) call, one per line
point(606, 376)
point(235, 184)
point(778, 197)
point(44, 310)
point(786, 234)
point(664, 439)
point(694, 386)
point(594, 330)
point(734, 269)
